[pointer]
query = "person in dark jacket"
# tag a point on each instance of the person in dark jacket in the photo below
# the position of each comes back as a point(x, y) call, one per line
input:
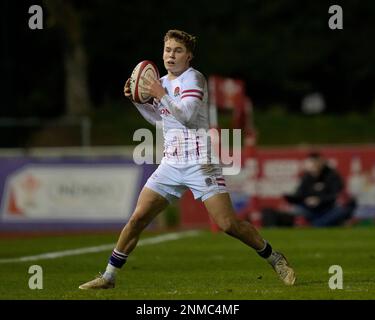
point(316, 196)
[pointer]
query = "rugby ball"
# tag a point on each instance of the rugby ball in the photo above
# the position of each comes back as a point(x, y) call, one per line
point(145, 69)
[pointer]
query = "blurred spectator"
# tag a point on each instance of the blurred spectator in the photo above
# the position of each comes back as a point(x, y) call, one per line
point(316, 196)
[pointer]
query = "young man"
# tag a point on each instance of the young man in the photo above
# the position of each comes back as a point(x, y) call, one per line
point(180, 102)
point(317, 193)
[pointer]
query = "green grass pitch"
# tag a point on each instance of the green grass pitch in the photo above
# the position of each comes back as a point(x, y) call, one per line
point(205, 266)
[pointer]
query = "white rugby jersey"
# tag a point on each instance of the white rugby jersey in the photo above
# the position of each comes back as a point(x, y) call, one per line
point(183, 111)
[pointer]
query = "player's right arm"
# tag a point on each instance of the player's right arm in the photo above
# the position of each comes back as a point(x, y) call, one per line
point(191, 99)
point(147, 110)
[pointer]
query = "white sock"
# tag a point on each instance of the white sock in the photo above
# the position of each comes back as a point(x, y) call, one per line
point(110, 273)
point(273, 257)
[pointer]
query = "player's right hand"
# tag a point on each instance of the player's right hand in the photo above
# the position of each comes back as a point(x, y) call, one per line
point(127, 91)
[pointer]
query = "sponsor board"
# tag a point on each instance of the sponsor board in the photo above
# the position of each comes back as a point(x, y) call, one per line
point(74, 192)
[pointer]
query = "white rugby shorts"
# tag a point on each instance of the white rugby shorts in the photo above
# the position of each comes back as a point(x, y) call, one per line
point(204, 180)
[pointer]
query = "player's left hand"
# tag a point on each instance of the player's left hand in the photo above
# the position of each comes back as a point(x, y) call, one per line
point(153, 87)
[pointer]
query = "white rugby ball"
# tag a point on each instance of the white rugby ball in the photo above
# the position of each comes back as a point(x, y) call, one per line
point(144, 69)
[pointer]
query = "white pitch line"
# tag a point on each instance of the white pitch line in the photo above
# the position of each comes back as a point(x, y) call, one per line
point(104, 247)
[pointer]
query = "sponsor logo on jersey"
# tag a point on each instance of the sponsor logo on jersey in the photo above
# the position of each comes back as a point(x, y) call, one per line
point(164, 111)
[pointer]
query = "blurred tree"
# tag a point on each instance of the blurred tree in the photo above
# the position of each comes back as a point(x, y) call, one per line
point(65, 15)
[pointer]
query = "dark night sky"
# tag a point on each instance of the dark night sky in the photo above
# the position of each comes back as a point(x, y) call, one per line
point(282, 49)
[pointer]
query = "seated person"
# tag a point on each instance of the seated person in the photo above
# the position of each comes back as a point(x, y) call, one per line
point(317, 193)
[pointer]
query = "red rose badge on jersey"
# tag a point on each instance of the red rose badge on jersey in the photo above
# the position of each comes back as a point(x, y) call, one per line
point(176, 91)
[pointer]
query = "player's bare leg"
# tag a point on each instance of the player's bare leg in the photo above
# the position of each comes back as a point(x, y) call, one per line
point(221, 210)
point(149, 205)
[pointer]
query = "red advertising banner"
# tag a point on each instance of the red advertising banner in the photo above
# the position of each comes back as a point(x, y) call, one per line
point(268, 173)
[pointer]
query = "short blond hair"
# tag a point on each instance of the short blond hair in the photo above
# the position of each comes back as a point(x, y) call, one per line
point(181, 36)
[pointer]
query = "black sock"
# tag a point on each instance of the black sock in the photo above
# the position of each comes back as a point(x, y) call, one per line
point(266, 251)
